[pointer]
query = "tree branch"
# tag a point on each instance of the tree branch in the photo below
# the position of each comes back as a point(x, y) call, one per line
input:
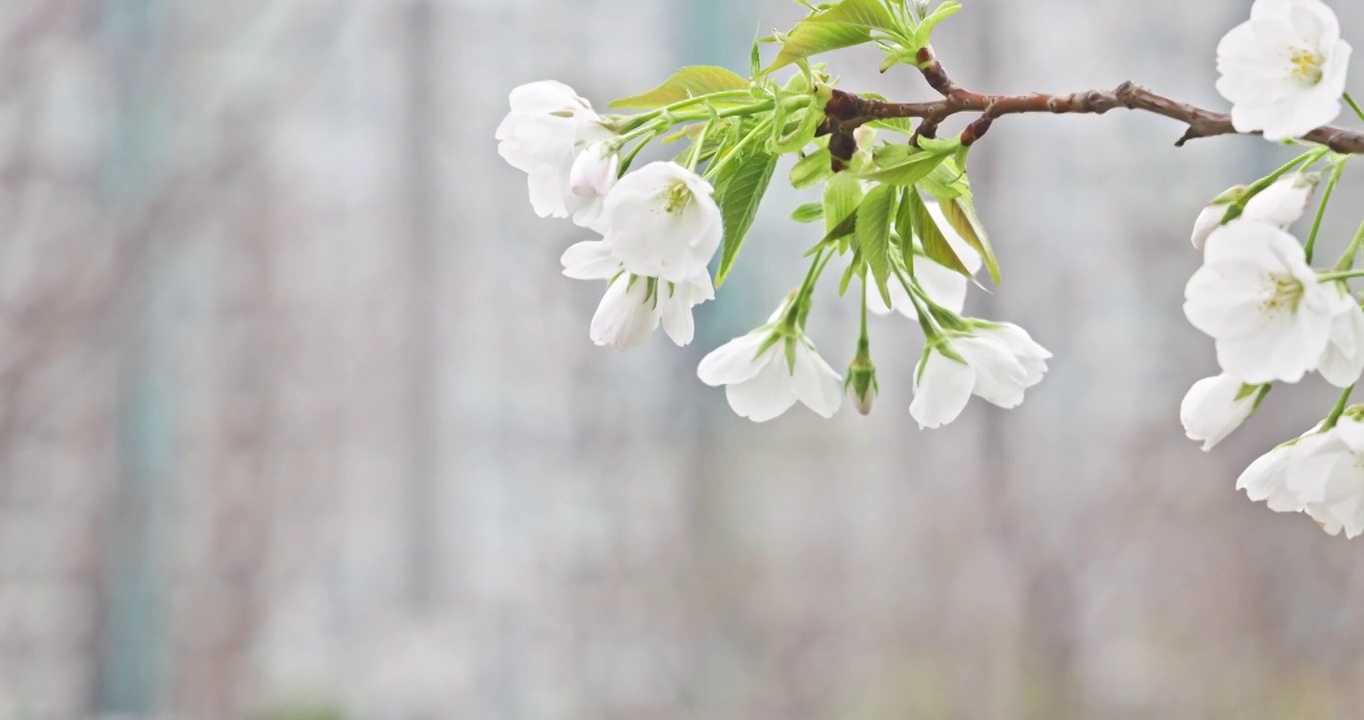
point(847, 111)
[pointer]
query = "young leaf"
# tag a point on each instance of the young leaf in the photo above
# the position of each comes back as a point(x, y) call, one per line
point(873, 234)
point(961, 215)
point(924, 32)
point(811, 169)
point(812, 38)
point(904, 227)
point(904, 126)
point(870, 14)
point(946, 182)
point(842, 195)
point(911, 171)
point(738, 194)
point(935, 243)
point(685, 83)
point(808, 213)
point(854, 269)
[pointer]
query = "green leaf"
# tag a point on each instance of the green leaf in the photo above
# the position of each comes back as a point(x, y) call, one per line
point(738, 194)
point(904, 227)
point(812, 169)
point(935, 243)
point(870, 14)
point(946, 182)
point(812, 38)
point(904, 126)
point(842, 195)
point(961, 215)
point(854, 269)
point(873, 234)
point(924, 32)
point(685, 83)
point(915, 168)
point(808, 213)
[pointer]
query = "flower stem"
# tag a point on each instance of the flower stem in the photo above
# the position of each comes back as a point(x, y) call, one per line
point(699, 146)
point(640, 120)
point(1343, 266)
point(1354, 106)
point(714, 168)
point(1311, 243)
point(1338, 410)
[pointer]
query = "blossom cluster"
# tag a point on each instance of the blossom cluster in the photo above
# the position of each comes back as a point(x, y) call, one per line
point(1272, 316)
point(660, 228)
point(898, 217)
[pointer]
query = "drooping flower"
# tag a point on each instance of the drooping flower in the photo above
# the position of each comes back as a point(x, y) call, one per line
point(591, 180)
point(1343, 361)
point(1266, 480)
point(1326, 473)
point(547, 127)
point(764, 376)
point(861, 384)
point(1284, 69)
point(634, 306)
point(997, 362)
point(1257, 298)
point(1216, 406)
point(1282, 203)
point(662, 222)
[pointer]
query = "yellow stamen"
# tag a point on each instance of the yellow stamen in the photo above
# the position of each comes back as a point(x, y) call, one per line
point(1307, 66)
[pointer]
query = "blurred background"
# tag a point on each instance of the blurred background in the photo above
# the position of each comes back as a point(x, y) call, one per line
point(298, 418)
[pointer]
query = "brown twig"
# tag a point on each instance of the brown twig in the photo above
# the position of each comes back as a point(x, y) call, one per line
point(854, 111)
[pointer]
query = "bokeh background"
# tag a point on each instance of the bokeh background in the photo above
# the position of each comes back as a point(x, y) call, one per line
point(298, 418)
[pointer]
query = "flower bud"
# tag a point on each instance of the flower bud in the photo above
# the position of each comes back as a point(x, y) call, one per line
point(861, 383)
point(1211, 217)
point(1283, 202)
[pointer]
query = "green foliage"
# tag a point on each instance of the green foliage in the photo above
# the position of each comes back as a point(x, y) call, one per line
point(961, 215)
point(738, 191)
point(686, 83)
point(842, 195)
point(873, 234)
point(934, 242)
point(812, 169)
point(808, 213)
point(924, 32)
point(808, 39)
point(869, 14)
point(907, 167)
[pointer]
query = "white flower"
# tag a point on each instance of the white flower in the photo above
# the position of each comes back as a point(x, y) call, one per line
point(1326, 473)
point(944, 286)
point(1216, 406)
point(542, 136)
point(1208, 220)
point(1284, 70)
point(1282, 203)
point(1343, 361)
point(633, 306)
point(591, 179)
point(1001, 362)
point(662, 222)
point(1261, 303)
point(1267, 480)
point(761, 383)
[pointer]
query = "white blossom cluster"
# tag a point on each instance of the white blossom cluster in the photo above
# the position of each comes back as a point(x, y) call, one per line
point(900, 213)
point(1272, 316)
point(660, 228)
